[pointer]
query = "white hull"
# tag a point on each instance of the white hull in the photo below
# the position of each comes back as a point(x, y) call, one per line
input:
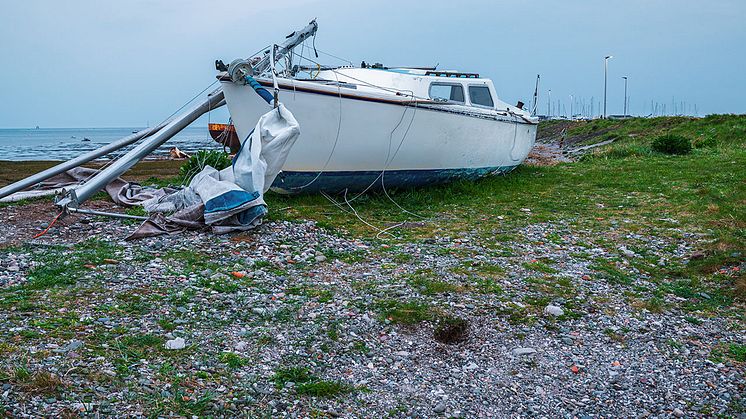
point(350, 136)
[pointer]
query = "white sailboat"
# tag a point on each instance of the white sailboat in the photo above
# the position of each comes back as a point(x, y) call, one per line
point(363, 127)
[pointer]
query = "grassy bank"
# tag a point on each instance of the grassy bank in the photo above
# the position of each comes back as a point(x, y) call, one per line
point(625, 187)
point(12, 171)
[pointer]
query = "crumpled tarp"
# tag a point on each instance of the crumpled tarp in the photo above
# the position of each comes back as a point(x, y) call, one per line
point(225, 200)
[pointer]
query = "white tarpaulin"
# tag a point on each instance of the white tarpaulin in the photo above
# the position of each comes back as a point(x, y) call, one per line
point(233, 198)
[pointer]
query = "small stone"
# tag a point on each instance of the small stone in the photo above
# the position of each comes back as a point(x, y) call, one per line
point(553, 310)
point(320, 258)
point(14, 268)
point(678, 413)
point(440, 407)
point(523, 351)
point(73, 345)
point(177, 343)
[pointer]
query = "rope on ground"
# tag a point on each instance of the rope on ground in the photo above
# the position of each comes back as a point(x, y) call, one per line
point(49, 226)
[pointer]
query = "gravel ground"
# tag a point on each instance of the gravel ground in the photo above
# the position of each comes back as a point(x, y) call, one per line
point(293, 321)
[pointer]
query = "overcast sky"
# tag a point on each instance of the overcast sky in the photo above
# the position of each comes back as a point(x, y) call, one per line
point(99, 63)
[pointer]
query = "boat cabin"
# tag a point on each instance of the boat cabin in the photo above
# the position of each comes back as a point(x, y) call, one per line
point(447, 87)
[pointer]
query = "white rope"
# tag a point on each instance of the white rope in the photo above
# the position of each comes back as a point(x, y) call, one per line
point(380, 231)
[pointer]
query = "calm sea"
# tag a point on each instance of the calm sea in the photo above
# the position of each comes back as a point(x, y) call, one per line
point(66, 143)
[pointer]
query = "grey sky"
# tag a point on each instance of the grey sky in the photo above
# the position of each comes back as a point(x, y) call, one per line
point(125, 63)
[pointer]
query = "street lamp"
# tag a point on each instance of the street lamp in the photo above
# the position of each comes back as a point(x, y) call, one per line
point(606, 70)
point(625, 95)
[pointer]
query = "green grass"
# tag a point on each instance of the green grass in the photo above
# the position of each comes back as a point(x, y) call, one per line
point(407, 313)
point(296, 375)
point(540, 267)
point(63, 266)
point(703, 190)
point(233, 360)
point(733, 351)
point(308, 384)
point(625, 186)
point(324, 388)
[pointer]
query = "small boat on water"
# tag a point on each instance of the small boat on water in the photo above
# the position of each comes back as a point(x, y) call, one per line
point(373, 126)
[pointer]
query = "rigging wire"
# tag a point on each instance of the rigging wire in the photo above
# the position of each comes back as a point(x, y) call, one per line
point(334, 56)
point(119, 153)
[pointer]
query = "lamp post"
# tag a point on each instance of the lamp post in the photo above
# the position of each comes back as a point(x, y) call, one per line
point(625, 95)
point(606, 71)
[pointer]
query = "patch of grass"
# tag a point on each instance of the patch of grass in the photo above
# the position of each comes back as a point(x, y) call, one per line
point(53, 270)
point(233, 360)
point(332, 331)
point(216, 158)
point(672, 144)
point(21, 374)
point(654, 305)
point(429, 286)
point(321, 294)
point(614, 335)
point(324, 388)
point(192, 261)
point(732, 351)
point(143, 341)
point(487, 286)
point(360, 346)
point(515, 314)
point(347, 257)
point(167, 325)
point(407, 313)
point(699, 296)
point(295, 375)
point(540, 267)
point(221, 283)
point(693, 320)
point(308, 384)
point(42, 382)
point(608, 270)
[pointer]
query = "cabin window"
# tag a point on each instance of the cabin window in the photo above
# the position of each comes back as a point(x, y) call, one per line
point(447, 92)
point(480, 96)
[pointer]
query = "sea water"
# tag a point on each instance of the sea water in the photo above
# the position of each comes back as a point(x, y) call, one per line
point(66, 143)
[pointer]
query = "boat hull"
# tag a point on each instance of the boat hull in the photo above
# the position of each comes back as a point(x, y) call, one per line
point(350, 141)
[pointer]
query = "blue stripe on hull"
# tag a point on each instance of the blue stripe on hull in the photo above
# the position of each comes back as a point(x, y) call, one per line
point(303, 182)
